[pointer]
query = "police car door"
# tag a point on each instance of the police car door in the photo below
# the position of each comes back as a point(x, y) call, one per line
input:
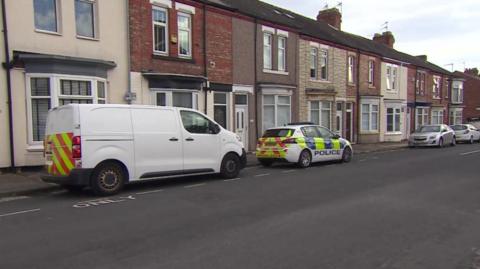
point(313, 142)
point(333, 149)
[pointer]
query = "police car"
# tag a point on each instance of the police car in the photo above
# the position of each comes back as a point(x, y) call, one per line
point(302, 143)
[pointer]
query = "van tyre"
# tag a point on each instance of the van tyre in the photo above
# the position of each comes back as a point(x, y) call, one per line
point(230, 166)
point(347, 155)
point(107, 179)
point(305, 159)
point(265, 163)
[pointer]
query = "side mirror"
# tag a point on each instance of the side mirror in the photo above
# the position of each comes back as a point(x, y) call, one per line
point(336, 136)
point(214, 128)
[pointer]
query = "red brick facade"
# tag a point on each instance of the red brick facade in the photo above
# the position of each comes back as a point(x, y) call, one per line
point(219, 47)
point(366, 88)
point(471, 90)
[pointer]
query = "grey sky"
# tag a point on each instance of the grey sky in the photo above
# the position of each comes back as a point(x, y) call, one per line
point(446, 31)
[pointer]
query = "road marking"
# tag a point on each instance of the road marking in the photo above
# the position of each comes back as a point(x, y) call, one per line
point(149, 192)
point(9, 199)
point(233, 179)
point(99, 202)
point(470, 152)
point(362, 160)
point(20, 212)
point(194, 185)
point(289, 171)
point(262, 175)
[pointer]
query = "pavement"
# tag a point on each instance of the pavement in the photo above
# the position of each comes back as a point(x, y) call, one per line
point(412, 208)
point(29, 182)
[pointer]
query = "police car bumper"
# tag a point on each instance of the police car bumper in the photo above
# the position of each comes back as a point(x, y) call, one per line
point(77, 177)
point(290, 155)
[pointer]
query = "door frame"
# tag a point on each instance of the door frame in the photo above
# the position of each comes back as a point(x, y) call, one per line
point(347, 111)
point(246, 121)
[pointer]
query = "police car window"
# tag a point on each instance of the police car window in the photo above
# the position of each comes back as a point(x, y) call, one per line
point(310, 131)
point(195, 123)
point(325, 133)
point(278, 133)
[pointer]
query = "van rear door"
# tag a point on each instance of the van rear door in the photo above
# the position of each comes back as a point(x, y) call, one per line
point(158, 142)
point(60, 130)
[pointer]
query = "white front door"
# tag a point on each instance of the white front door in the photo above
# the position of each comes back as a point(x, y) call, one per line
point(241, 124)
point(339, 119)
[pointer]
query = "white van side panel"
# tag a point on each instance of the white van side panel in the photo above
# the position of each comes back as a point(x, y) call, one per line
point(107, 135)
point(63, 119)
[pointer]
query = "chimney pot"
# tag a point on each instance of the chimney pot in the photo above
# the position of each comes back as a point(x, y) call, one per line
point(385, 38)
point(332, 16)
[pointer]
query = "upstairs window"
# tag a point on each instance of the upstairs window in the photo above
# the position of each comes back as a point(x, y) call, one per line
point(371, 72)
point(351, 69)
point(282, 53)
point(160, 30)
point(392, 77)
point(436, 87)
point(46, 17)
point(457, 94)
point(267, 50)
point(420, 84)
point(85, 18)
point(313, 63)
point(184, 35)
point(324, 64)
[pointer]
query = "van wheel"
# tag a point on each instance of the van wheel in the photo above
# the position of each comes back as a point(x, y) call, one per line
point(107, 179)
point(230, 166)
point(305, 159)
point(265, 163)
point(347, 155)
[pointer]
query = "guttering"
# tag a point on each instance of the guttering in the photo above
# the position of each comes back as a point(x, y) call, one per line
point(7, 67)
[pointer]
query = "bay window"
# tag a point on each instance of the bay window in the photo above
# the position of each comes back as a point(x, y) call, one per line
point(393, 119)
point(47, 91)
point(276, 110)
point(437, 116)
point(369, 121)
point(321, 113)
point(176, 98)
point(267, 50)
point(160, 30)
point(184, 35)
point(421, 116)
point(456, 115)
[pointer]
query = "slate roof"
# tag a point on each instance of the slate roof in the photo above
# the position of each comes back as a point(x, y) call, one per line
point(320, 30)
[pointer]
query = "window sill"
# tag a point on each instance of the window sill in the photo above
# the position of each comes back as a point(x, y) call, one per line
point(35, 148)
point(351, 84)
point(393, 133)
point(320, 80)
point(48, 32)
point(369, 132)
point(88, 38)
point(275, 72)
point(371, 86)
point(436, 98)
point(170, 58)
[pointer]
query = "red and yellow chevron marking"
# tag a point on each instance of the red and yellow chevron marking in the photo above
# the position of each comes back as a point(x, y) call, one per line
point(271, 147)
point(61, 154)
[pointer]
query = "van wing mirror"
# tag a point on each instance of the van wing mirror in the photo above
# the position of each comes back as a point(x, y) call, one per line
point(214, 128)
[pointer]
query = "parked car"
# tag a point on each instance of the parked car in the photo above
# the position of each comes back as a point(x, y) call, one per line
point(432, 135)
point(466, 133)
point(107, 146)
point(302, 144)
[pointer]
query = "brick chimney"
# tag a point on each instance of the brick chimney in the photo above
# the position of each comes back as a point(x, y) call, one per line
point(385, 38)
point(332, 16)
point(472, 71)
point(423, 57)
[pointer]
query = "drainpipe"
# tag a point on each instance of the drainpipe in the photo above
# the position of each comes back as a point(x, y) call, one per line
point(129, 60)
point(357, 116)
point(7, 67)
point(414, 112)
point(205, 65)
point(255, 78)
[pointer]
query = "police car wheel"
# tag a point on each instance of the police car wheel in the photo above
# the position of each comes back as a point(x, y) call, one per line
point(107, 179)
point(305, 159)
point(266, 163)
point(347, 155)
point(230, 166)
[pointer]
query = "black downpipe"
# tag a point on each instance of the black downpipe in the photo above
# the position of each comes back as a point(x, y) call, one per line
point(7, 67)
point(358, 107)
point(255, 58)
point(414, 112)
point(205, 72)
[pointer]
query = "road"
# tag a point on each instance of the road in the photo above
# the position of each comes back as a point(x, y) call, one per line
point(412, 208)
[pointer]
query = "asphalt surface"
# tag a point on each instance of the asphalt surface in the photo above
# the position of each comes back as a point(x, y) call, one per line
point(412, 208)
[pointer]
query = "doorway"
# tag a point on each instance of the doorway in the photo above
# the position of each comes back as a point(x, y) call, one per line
point(349, 122)
point(241, 118)
point(339, 119)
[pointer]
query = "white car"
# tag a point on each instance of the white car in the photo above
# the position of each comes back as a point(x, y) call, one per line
point(107, 146)
point(302, 144)
point(466, 133)
point(435, 135)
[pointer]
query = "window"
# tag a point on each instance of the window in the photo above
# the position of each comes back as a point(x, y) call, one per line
point(457, 93)
point(267, 50)
point(282, 44)
point(241, 99)
point(420, 83)
point(371, 72)
point(85, 18)
point(276, 110)
point(321, 113)
point(160, 30)
point(369, 117)
point(45, 92)
point(437, 116)
point(184, 35)
point(313, 63)
point(391, 77)
point(324, 64)
point(46, 18)
point(187, 99)
point(393, 119)
point(456, 116)
point(220, 108)
point(422, 117)
point(196, 123)
point(436, 87)
point(351, 69)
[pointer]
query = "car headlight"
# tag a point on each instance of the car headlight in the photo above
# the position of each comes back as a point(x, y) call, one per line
point(432, 137)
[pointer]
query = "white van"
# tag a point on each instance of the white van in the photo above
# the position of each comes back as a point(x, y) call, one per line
point(107, 146)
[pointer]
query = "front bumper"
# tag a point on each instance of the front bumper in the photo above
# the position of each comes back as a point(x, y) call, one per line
point(77, 177)
point(423, 143)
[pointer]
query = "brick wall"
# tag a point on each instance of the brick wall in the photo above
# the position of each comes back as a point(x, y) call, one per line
point(141, 41)
point(471, 100)
point(365, 87)
point(219, 47)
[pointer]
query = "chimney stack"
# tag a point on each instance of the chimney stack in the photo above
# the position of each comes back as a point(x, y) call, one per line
point(385, 38)
point(332, 16)
point(423, 57)
point(472, 71)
